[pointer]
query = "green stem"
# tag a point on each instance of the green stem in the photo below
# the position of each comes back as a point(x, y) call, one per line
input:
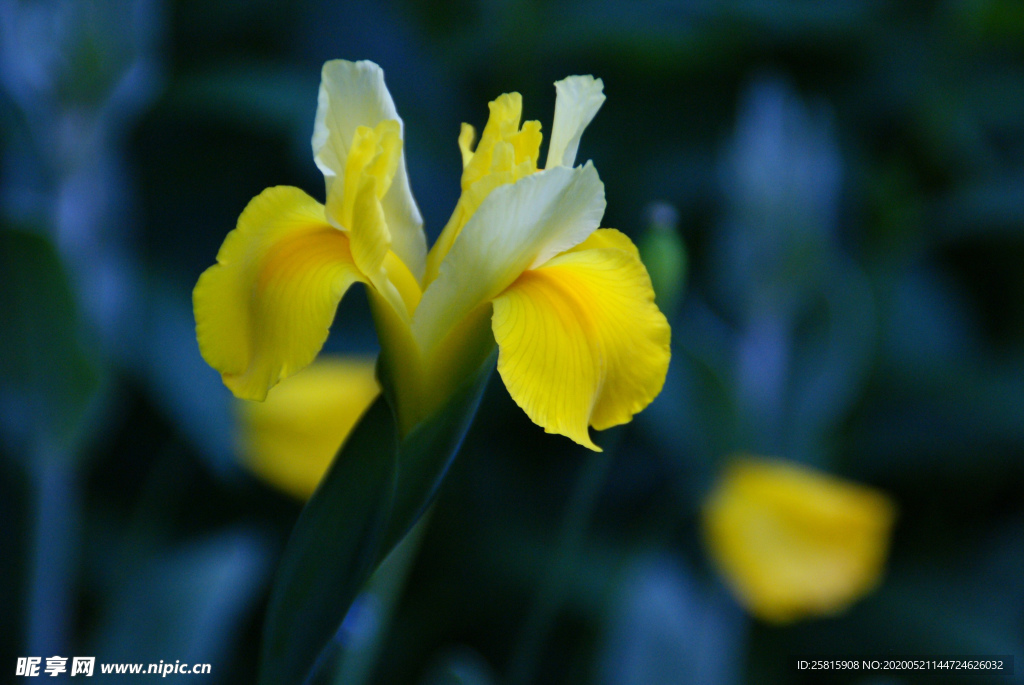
point(547, 602)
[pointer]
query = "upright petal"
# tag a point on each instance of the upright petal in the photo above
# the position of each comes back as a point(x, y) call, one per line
point(505, 153)
point(372, 162)
point(264, 309)
point(581, 342)
point(577, 99)
point(353, 94)
point(517, 227)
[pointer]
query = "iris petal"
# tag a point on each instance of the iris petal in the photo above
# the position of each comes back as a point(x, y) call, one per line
point(581, 341)
point(505, 153)
point(290, 440)
point(577, 99)
point(353, 94)
point(517, 227)
point(264, 309)
point(793, 542)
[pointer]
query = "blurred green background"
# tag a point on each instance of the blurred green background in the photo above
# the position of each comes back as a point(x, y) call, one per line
point(848, 179)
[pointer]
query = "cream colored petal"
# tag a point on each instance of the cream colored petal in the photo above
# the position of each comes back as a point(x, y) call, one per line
point(577, 99)
point(353, 94)
point(506, 152)
point(517, 227)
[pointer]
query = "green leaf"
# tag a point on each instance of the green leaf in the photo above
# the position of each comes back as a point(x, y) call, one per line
point(427, 452)
point(376, 489)
point(332, 550)
point(47, 379)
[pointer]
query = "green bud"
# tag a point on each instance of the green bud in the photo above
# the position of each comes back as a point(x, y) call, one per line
point(664, 255)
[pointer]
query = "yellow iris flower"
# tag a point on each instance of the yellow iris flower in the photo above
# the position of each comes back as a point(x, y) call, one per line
point(522, 263)
point(793, 542)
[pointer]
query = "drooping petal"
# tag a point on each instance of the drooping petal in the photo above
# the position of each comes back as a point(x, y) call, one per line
point(608, 238)
point(264, 309)
point(793, 542)
point(353, 94)
point(581, 342)
point(517, 227)
point(577, 99)
point(290, 440)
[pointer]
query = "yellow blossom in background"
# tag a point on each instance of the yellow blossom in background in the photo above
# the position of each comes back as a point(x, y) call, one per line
point(290, 439)
point(793, 542)
point(522, 263)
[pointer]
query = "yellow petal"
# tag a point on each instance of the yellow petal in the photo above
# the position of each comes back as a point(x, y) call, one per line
point(502, 128)
point(581, 341)
point(264, 310)
point(504, 154)
point(467, 134)
point(794, 543)
point(290, 440)
point(374, 155)
point(517, 227)
point(608, 238)
point(353, 94)
point(577, 99)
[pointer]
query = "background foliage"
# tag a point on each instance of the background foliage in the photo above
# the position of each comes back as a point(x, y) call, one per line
point(848, 179)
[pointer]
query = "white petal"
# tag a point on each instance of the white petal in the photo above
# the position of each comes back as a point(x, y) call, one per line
point(353, 94)
point(577, 99)
point(518, 226)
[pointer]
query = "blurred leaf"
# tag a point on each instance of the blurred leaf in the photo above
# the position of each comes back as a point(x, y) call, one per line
point(670, 631)
point(945, 422)
point(47, 379)
point(696, 420)
point(361, 642)
point(994, 20)
point(936, 404)
point(831, 368)
point(374, 492)
point(803, 21)
point(460, 666)
point(988, 207)
point(185, 604)
point(260, 97)
point(922, 609)
point(188, 390)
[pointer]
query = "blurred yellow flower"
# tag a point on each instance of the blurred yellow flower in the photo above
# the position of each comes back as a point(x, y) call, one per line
point(521, 263)
point(290, 439)
point(793, 542)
